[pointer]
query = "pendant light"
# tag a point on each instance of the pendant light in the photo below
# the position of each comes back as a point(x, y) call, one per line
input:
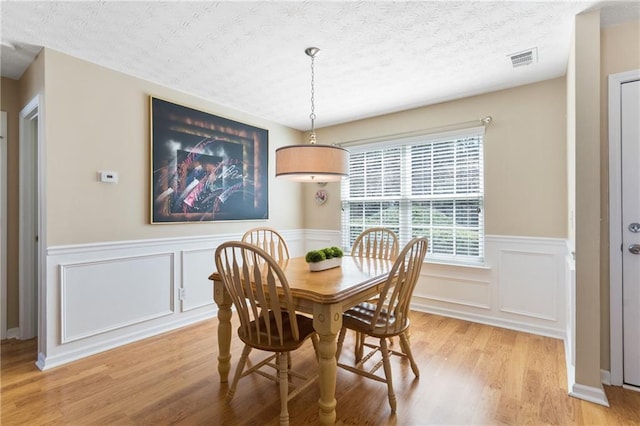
point(312, 162)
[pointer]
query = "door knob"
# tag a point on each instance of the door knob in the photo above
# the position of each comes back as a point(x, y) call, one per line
point(634, 248)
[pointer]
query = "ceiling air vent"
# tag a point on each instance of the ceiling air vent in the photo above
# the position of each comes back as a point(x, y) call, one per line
point(525, 57)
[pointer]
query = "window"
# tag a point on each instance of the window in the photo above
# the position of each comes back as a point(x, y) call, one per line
point(429, 186)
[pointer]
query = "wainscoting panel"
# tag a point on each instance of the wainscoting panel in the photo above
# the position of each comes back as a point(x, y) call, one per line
point(317, 239)
point(456, 290)
point(521, 286)
point(115, 293)
point(103, 295)
point(297, 242)
point(527, 284)
point(196, 290)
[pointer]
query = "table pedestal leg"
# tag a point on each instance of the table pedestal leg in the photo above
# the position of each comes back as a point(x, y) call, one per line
point(327, 321)
point(223, 300)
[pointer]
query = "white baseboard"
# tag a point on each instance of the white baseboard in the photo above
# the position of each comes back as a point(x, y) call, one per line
point(492, 321)
point(605, 377)
point(596, 395)
point(633, 388)
point(46, 363)
point(13, 333)
point(41, 361)
point(589, 393)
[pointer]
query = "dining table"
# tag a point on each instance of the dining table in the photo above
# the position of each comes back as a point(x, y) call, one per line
point(323, 294)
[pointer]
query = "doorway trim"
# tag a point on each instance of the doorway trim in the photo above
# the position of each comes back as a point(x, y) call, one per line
point(615, 223)
point(3, 224)
point(31, 221)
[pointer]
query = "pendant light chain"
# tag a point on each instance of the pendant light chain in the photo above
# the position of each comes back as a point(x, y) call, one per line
point(312, 116)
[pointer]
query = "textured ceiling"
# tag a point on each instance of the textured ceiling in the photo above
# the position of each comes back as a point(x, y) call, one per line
point(376, 57)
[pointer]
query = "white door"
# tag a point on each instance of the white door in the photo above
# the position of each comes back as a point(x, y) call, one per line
point(630, 150)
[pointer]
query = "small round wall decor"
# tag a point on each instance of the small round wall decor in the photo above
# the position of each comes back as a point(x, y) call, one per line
point(321, 197)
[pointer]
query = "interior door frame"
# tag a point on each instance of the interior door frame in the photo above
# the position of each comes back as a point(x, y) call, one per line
point(31, 254)
point(615, 223)
point(3, 224)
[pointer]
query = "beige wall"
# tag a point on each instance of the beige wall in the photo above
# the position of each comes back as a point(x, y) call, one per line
point(98, 119)
point(620, 52)
point(10, 104)
point(32, 81)
point(587, 216)
point(525, 156)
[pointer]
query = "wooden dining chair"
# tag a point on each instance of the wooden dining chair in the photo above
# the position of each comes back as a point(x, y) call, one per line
point(377, 243)
point(268, 322)
point(388, 318)
point(269, 240)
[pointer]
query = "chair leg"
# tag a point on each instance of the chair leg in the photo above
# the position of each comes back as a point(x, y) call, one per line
point(239, 369)
point(314, 340)
point(283, 373)
point(387, 373)
point(343, 332)
point(359, 346)
point(403, 347)
point(407, 334)
point(406, 348)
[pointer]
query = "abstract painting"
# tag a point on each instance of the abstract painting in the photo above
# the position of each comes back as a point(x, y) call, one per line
point(206, 168)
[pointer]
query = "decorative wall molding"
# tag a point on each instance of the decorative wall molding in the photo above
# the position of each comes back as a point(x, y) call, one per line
point(135, 245)
point(469, 293)
point(320, 238)
point(521, 275)
point(570, 338)
point(100, 296)
point(196, 266)
point(522, 286)
point(472, 292)
point(104, 295)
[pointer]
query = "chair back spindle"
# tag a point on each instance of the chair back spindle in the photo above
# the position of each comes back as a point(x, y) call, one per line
point(378, 243)
point(269, 240)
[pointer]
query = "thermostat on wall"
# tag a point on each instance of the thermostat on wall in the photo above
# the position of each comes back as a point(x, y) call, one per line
point(109, 177)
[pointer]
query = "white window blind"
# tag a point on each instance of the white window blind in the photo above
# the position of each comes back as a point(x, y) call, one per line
point(429, 186)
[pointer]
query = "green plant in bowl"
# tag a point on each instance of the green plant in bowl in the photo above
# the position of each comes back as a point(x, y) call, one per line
point(336, 251)
point(328, 252)
point(315, 256)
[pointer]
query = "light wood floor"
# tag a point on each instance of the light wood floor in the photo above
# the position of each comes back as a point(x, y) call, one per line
point(470, 374)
